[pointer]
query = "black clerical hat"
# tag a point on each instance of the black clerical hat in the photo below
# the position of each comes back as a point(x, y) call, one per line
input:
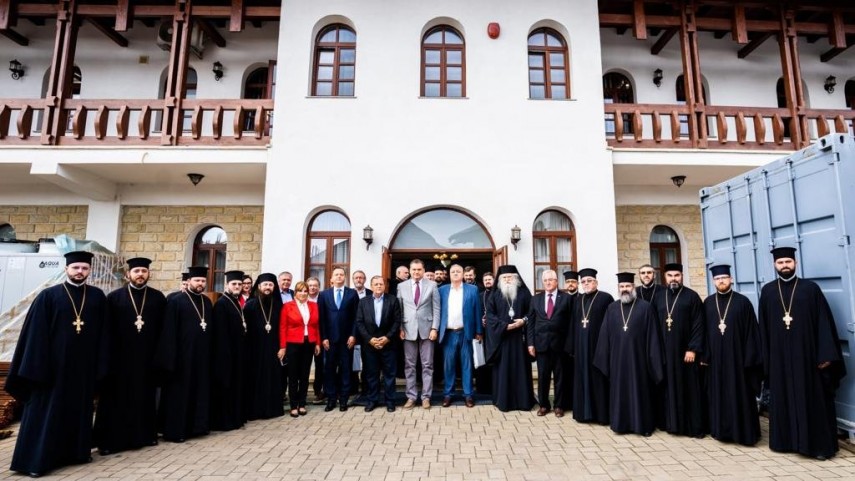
point(266, 277)
point(185, 276)
point(78, 256)
point(507, 269)
point(138, 262)
point(720, 270)
point(623, 277)
point(197, 271)
point(784, 253)
point(588, 272)
point(673, 266)
point(233, 276)
point(568, 275)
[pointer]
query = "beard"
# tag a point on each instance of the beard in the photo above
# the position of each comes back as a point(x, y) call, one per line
point(786, 273)
point(675, 285)
point(627, 297)
point(509, 291)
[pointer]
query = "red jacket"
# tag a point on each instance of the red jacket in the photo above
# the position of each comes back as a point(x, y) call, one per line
point(291, 324)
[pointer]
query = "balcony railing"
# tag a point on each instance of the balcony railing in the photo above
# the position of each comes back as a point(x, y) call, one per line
point(724, 127)
point(138, 122)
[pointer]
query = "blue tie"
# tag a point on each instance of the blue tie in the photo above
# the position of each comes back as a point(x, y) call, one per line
point(337, 298)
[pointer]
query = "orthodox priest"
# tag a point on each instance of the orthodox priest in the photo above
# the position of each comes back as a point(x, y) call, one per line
point(648, 288)
point(735, 362)
point(506, 348)
point(60, 357)
point(127, 407)
point(591, 389)
point(802, 361)
point(681, 322)
point(262, 380)
point(184, 355)
point(228, 348)
point(629, 353)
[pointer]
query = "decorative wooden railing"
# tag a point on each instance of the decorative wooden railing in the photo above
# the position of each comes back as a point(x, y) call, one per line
point(138, 122)
point(718, 127)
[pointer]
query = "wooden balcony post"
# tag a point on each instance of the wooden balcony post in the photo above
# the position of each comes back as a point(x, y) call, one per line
point(691, 72)
point(792, 76)
point(61, 75)
point(173, 118)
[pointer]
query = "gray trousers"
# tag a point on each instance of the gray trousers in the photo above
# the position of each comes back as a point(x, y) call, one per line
point(412, 350)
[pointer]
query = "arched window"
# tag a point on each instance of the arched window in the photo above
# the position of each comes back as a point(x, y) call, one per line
point(335, 62)
point(548, 72)
point(849, 93)
point(328, 242)
point(664, 249)
point(443, 63)
point(209, 250)
point(554, 240)
point(680, 94)
point(7, 232)
point(617, 89)
point(259, 85)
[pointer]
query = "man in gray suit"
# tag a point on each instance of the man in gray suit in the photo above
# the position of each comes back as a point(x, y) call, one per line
point(419, 300)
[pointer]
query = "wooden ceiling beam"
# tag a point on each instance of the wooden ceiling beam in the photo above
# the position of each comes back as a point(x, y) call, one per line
point(7, 15)
point(236, 17)
point(15, 37)
point(740, 29)
point(829, 55)
point(123, 16)
point(639, 23)
point(666, 37)
point(113, 35)
point(211, 32)
point(754, 44)
point(837, 31)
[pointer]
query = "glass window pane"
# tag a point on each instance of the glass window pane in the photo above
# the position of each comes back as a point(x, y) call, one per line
point(536, 40)
point(345, 89)
point(535, 76)
point(454, 90)
point(670, 256)
point(541, 249)
point(341, 251)
point(432, 56)
point(442, 228)
point(454, 57)
point(435, 37)
point(564, 249)
point(661, 233)
point(7, 232)
point(561, 269)
point(538, 276)
point(559, 92)
point(454, 73)
point(329, 36)
point(552, 40)
point(452, 38)
point(552, 221)
point(537, 91)
point(535, 60)
point(214, 235)
point(432, 90)
point(220, 258)
point(323, 89)
point(320, 273)
point(201, 258)
point(325, 73)
point(345, 73)
point(556, 75)
point(346, 35)
point(432, 73)
point(317, 251)
point(219, 283)
point(347, 55)
point(654, 257)
point(330, 221)
point(326, 57)
point(556, 59)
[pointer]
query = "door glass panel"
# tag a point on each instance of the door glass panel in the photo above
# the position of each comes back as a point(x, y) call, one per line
point(219, 283)
point(670, 255)
point(221, 260)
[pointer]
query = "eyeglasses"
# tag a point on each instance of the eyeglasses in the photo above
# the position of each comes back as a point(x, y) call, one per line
point(646, 272)
point(247, 283)
point(587, 281)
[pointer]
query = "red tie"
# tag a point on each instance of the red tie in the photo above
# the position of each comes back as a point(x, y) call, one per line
point(417, 295)
point(550, 306)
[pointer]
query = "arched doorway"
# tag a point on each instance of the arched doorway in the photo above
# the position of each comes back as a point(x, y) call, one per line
point(430, 233)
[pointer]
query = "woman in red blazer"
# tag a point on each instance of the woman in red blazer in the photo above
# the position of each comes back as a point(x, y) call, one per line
point(300, 339)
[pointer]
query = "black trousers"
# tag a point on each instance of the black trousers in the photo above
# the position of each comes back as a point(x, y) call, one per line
point(318, 385)
point(550, 364)
point(375, 361)
point(299, 365)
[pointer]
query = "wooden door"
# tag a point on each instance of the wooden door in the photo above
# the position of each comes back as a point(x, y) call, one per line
point(386, 266)
point(500, 257)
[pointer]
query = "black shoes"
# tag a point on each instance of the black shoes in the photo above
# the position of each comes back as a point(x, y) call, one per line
point(342, 408)
point(390, 409)
point(370, 407)
point(329, 407)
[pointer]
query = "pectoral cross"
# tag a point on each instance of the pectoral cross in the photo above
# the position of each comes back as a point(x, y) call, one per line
point(669, 321)
point(203, 324)
point(585, 323)
point(787, 320)
point(721, 327)
point(267, 327)
point(624, 328)
point(78, 324)
point(139, 323)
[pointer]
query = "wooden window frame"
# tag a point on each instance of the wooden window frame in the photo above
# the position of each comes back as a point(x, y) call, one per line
point(545, 51)
point(552, 237)
point(329, 237)
point(336, 47)
point(627, 118)
point(443, 65)
point(211, 250)
point(661, 247)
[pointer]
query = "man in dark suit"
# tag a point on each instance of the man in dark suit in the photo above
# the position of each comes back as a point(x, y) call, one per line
point(459, 324)
point(546, 329)
point(378, 321)
point(337, 313)
point(286, 294)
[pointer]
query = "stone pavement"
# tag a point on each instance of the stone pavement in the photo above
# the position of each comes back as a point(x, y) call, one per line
point(453, 443)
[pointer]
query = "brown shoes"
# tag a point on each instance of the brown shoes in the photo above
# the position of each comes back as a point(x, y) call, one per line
point(559, 413)
point(426, 403)
point(542, 411)
point(470, 402)
point(410, 404)
point(446, 401)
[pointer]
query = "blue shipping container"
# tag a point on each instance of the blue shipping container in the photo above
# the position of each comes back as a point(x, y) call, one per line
point(805, 200)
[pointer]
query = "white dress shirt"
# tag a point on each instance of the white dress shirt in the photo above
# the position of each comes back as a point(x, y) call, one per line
point(304, 311)
point(455, 308)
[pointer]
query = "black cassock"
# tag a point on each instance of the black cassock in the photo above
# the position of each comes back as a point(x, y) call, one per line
point(127, 408)
point(54, 373)
point(263, 380)
point(648, 293)
point(512, 379)
point(802, 416)
point(683, 408)
point(591, 388)
point(735, 368)
point(228, 346)
point(632, 361)
point(183, 353)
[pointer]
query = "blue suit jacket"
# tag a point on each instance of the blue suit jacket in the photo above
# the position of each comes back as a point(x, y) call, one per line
point(471, 311)
point(337, 324)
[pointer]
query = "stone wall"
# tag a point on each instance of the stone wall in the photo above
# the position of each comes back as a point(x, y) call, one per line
point(166, 234)
point(634, 224)
point(32, 222)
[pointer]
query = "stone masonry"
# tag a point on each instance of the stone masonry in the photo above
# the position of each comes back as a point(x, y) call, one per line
point(32, 222)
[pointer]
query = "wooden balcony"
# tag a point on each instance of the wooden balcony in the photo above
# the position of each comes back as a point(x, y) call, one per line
point(651, 126)
point(138, 122)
